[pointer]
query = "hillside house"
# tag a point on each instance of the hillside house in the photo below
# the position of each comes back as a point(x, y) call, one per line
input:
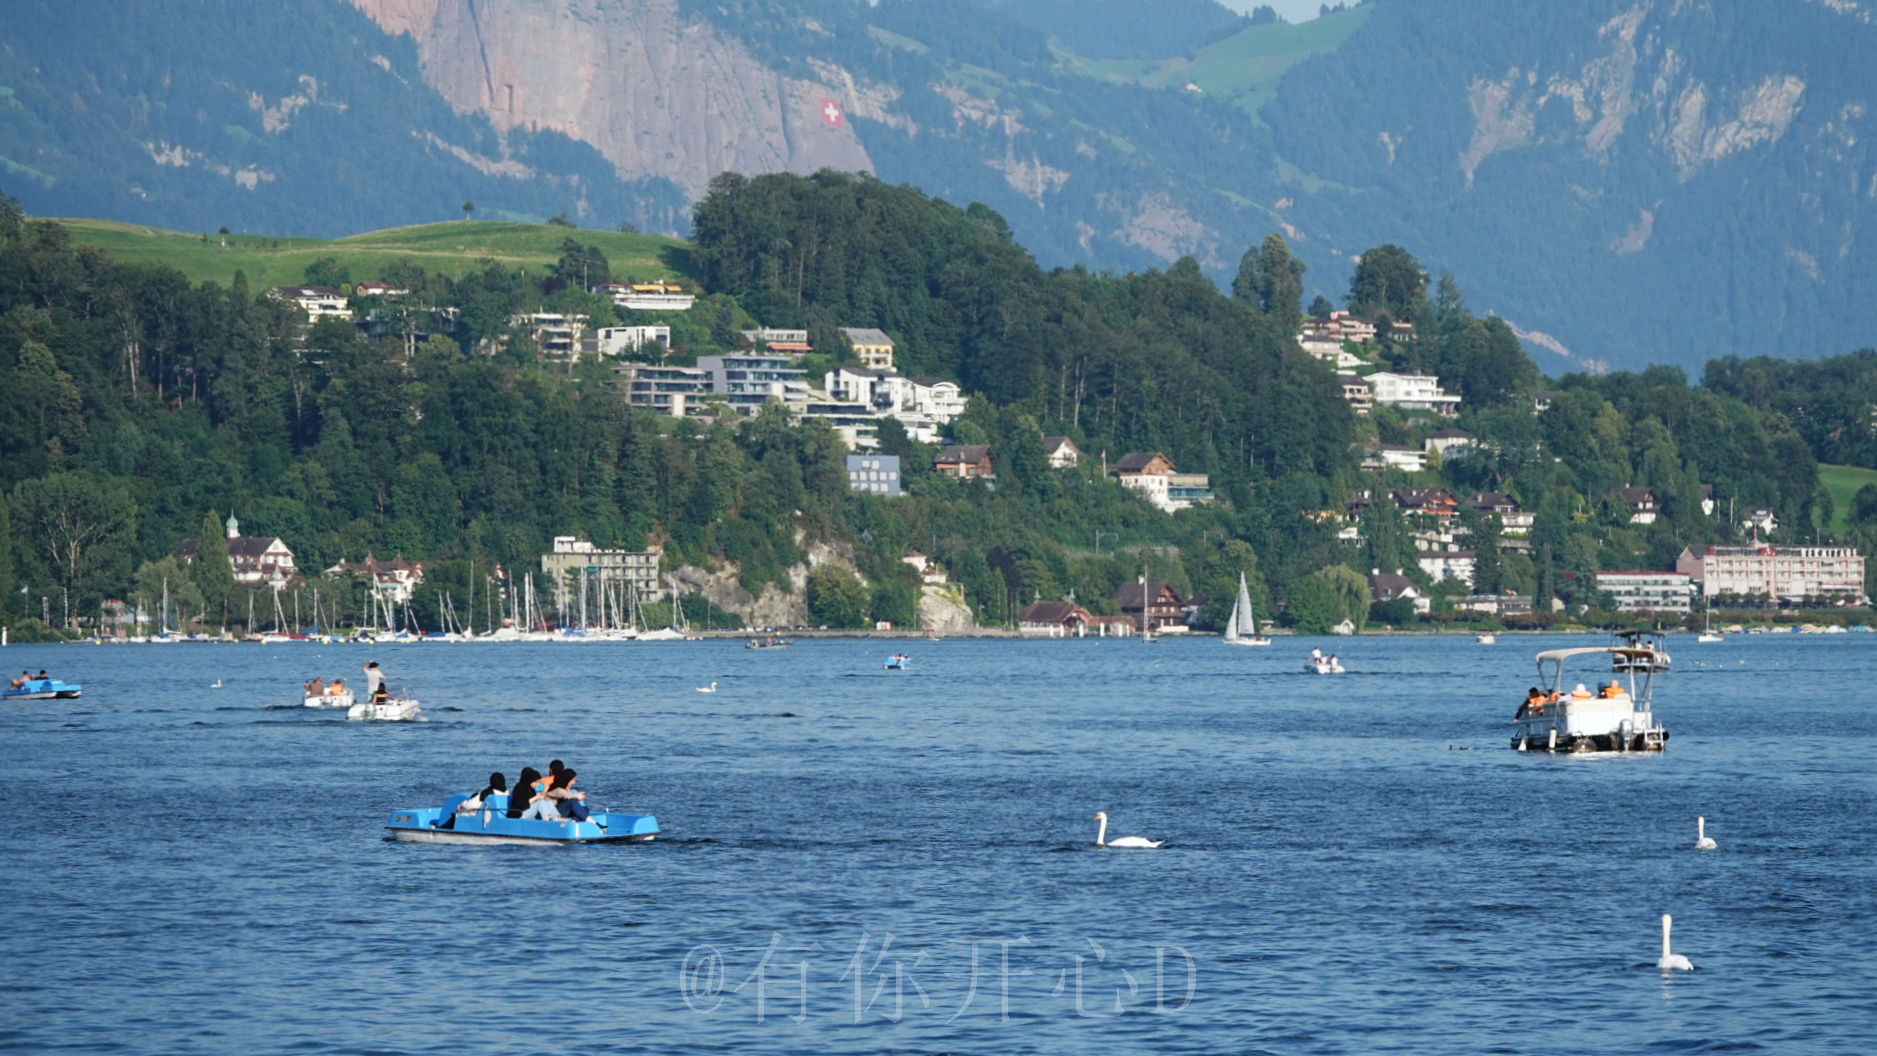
point(747, 380)
point(556, 335)
point(1377, 458)
point(674, 391)
point(657, 296)
point(1639, 502)
point(374, 288)
point(1152, 474)
point(618, 340)
point(318, 302)
point(1413, 392)
point(1061, 452)
point(1759, 519)
point(1356, 392)
point(1427, 505)
point(965, 461)
point(1449, 442)
point(1512, 520)
point(872, 347)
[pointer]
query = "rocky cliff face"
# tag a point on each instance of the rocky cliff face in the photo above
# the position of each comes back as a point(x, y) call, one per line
point(655, 96)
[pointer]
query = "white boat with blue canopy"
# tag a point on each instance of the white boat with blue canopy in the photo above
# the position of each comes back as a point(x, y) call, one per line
point(1617, 716)
point(491, 824)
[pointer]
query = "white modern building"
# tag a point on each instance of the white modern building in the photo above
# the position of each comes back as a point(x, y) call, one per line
point(674, 391)
point(1648, 591)
point(658, 296)
point(618, 340)
point(318, 302)
point(1413, 392)
point(747, 380)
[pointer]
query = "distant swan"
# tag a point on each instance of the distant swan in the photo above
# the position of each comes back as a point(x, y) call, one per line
point(1671, 961)
point(1702, 843)
point(1101, 837)
point(217, 685)
point(712, 688)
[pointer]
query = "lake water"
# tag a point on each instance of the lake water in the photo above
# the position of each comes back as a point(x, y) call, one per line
point(856, 860)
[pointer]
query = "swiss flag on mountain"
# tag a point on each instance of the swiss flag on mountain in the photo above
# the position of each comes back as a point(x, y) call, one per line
point(831, 113)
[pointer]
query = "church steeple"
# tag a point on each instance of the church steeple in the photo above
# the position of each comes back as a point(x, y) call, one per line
point(234, 526)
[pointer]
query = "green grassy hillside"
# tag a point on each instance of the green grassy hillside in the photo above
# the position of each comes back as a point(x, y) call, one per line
point(449, 248)
point(1843, 482)
point(1243, 68)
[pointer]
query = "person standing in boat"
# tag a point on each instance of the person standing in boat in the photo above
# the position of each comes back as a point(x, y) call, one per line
point(375, 683)
point(316, 688)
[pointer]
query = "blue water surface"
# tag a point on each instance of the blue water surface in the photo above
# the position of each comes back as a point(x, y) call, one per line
point(858, 860)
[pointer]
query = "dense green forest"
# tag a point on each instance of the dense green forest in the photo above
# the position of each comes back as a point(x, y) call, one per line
point(134, 407)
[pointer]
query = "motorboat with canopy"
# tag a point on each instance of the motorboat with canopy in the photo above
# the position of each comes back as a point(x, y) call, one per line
point(1617, 716)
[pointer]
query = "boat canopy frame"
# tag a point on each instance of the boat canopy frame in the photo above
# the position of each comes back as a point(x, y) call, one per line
point(1639, 663)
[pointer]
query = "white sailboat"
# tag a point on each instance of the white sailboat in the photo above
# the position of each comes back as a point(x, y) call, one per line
point(1708, 634)
point(1242, 627)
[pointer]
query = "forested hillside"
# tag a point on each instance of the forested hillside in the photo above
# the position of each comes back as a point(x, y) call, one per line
point(134, 407)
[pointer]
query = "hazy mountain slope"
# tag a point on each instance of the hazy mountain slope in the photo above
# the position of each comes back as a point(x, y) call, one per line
point(296, 118)
point(657, 95)
point(1646, 180)
point(1125, 29)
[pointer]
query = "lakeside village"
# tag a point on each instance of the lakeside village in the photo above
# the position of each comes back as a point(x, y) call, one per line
point(587, 590)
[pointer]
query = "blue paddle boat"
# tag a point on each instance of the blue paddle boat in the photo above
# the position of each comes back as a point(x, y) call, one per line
point(898, 662)
point(493, 825)
point(43, 689)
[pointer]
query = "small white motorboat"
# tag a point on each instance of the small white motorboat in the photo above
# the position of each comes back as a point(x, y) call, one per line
point(337, 695)
point(1323, 665)
point(1485, 639)
point(391, 709)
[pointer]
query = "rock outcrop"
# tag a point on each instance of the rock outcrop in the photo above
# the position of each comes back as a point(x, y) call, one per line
point(655, 95)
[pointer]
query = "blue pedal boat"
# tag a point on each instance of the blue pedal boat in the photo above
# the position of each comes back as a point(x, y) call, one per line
point(493, 825)
point(43, 689)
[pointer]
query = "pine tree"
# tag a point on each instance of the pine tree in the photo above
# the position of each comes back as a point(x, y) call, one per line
point(212, 573)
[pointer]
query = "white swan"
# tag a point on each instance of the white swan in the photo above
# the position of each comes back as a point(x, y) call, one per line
point(217, 685)
point(1702, 843)
point(1671, 961)
point(712, 688)
point(1138, 842)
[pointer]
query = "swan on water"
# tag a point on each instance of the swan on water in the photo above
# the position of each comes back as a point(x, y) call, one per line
point(712, 688)
point(1702, 842)
point(217, 685)
point(1140, 842)
point(1671, 961)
